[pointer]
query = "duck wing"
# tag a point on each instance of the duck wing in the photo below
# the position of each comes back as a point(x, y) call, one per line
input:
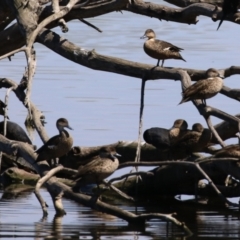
point(52, 143)
point(195, 88)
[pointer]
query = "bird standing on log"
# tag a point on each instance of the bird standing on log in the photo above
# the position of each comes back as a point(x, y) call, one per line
point(98, 169)
point(205, 88)
point(160, 50)
point(58, 145)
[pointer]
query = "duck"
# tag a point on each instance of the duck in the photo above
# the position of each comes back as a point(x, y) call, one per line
point(228, 7)
point(58, 145)
point(204, 88)
point(232, 150)
point(178, 129)
point(159, 49)
point(98, 169)
point(157, 137)
point(194, 140)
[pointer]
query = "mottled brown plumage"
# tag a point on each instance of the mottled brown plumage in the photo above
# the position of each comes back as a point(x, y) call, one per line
point(160, 50)
point(58, 145)
point(98, 169)
point(178, 129)
point(229, 151)
point(205, 88)
point(193, 141)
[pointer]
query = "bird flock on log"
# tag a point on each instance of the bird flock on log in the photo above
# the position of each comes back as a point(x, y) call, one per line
point(178, 141)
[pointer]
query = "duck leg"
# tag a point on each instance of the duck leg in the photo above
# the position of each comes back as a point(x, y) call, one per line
point(162, 63)
point(158, 62)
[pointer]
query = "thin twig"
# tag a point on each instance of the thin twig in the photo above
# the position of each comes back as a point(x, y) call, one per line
point(13, 52)
point(130, 174)
point(122, 194)
point(90, 25)
point(213, 130)
point(40, 182)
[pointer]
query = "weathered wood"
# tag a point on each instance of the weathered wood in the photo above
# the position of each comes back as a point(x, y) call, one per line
point(185, 3)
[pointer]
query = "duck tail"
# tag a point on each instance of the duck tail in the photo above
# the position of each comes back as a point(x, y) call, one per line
point(221, 21)
point(183, 59)
point(183, 100)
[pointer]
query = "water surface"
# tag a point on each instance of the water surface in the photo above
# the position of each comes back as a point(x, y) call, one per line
point(104, 108)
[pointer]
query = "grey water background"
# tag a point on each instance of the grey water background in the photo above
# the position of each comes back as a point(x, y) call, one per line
point(104, 108)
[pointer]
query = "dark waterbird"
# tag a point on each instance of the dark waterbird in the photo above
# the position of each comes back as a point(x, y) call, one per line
point(205, 88)
point(2, 108)
point(228, 7)
point(58, 145)
point(158, 137)
point(159, 49)
point(98, 169)
point(15, 132)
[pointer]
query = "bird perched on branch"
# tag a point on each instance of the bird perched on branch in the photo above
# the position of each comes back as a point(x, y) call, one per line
point(158, 137)
point(160, 50)
point(205, 88)
point(194, 140)
point(178, 130)
point(228, 7)
point(58, 145)
point(98, 169)
point(229, 151)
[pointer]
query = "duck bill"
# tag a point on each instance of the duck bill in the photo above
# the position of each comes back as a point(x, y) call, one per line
point(144, 36)
point(69, 127)
point(114, 156)
point(117, 155)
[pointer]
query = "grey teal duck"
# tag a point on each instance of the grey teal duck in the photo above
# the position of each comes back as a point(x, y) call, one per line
point(205, 88)
point(178, 129)
point(229, 151)
point(98, 169)
point(193, 141)
point(58, 145)
point(159, 49)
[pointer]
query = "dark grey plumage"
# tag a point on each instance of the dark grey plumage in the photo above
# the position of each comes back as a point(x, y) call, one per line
point(228, 7)
point(58, 145)
point(158, 137)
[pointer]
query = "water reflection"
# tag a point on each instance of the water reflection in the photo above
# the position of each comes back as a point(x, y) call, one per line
point(21, 218)
point(104, 108)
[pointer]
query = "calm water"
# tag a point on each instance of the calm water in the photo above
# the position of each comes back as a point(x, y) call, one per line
point(104, 108)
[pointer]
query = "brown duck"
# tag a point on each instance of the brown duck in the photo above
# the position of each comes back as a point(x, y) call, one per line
point(98, 169)
point(178, 129)
point(193, 141)
point(205, 88)
point(229, 151)
point(158, 49)
point(58, 145)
